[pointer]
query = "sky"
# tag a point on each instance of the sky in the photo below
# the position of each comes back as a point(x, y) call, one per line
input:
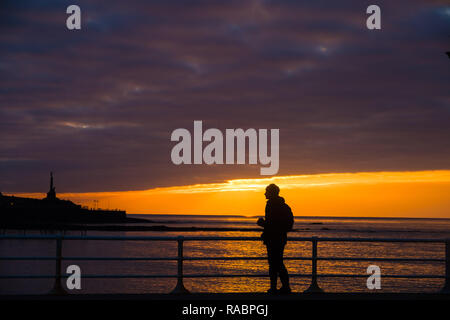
point(98, 105)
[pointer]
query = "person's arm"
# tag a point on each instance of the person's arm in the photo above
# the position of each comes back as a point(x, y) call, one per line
point(261, 222)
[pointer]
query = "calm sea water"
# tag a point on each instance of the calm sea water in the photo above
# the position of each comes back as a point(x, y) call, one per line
point(321, 227)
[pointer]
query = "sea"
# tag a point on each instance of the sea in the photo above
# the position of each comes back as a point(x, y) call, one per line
point(204, 272)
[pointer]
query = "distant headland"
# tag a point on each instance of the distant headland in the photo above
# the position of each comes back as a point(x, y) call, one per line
point(21, 212)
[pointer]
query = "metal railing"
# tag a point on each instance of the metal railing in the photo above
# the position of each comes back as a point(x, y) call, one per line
point(180, 288)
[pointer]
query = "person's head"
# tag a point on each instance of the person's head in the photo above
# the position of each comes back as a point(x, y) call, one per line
point(272, 191)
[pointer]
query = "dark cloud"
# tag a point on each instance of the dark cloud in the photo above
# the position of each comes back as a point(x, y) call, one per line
point(97, 106)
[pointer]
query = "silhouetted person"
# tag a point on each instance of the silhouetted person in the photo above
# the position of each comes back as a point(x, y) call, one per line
point(277, 223)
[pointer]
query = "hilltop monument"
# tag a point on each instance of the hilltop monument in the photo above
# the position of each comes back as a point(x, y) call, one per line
point(51, 194)
point(23, 212)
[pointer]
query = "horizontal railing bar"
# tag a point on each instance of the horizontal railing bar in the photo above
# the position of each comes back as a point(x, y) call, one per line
point(28, 258)
point(412, 240)
point(224, 258)
point(89, 276)
point(256, 275)
point(120, 258)
point(425, 276)
point(99, 276)
point(65, 237)
point(308, 275)
point(125, 276)
point(41, 276)
point(323, 259)
point(150, 238)
point(381, 259)
point(241, 258)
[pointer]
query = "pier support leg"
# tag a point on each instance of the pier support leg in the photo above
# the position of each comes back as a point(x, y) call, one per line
point(314, 286)
point(58, 288)
point(179, 288)
point(446, 288)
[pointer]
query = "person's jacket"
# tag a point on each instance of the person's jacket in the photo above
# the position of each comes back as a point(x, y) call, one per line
point(278, 220)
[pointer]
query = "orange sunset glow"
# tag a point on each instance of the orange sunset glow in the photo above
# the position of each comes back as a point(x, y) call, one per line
point(365, 194)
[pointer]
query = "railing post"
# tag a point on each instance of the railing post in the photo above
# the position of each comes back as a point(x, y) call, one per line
point(314, 287)
point(180, 289)
point(58, 289)
point(446, 288)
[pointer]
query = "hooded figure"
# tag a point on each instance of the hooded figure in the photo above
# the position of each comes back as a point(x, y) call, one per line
point(277, 223)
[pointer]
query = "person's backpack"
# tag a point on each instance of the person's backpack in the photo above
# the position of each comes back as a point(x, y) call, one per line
point(288, 218)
